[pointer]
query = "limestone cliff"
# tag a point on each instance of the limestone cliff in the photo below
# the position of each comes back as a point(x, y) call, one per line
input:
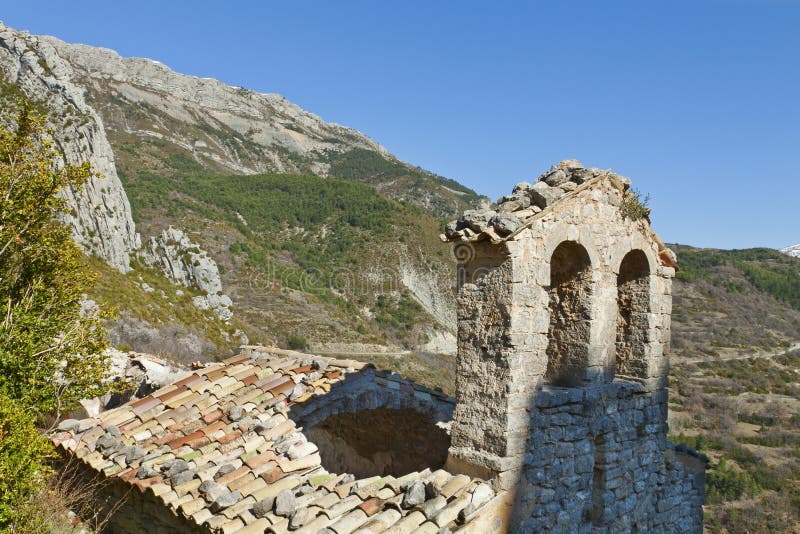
point(100, 217)
point(793, 250)
point(158, 114)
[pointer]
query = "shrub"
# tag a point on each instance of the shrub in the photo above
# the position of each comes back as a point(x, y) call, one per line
point(295, 342)
point(726, 483)
point(23, 456)
point(50, 351)
point(634, 205)
point(50, 348)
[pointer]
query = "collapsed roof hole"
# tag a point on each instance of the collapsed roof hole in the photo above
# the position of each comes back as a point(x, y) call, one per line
point(382, 441)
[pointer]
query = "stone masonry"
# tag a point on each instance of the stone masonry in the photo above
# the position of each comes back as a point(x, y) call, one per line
point(563, 332)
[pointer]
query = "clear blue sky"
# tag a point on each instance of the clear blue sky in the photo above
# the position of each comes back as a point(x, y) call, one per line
point(696, 101)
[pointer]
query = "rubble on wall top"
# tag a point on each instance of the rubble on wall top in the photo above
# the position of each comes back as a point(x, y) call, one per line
point(527, 200)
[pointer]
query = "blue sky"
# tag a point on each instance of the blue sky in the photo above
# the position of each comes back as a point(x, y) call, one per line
point(696, 101)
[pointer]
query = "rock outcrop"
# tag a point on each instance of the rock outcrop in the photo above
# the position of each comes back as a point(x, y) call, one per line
point(185, 263)
point(100, 217)
point(144, 373)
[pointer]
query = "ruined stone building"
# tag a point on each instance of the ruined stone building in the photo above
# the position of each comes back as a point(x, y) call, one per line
point(558, 425)
point(563, 332)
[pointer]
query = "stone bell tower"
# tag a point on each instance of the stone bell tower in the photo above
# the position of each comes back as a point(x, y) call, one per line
point(564, 303)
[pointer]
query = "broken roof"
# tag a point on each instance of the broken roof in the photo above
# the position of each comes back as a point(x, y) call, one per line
point(214, 444)
point(527, 203)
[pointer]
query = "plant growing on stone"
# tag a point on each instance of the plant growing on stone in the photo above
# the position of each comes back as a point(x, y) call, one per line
point(634, 205)
point(23, 455)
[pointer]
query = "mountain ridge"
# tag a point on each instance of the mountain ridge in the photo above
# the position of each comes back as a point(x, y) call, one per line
point(237, 130)
point(170, 178)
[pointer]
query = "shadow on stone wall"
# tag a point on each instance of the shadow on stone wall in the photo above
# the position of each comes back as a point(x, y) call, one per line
point(598, 460)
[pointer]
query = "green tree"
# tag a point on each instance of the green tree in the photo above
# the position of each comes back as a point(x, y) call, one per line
point(51, 351)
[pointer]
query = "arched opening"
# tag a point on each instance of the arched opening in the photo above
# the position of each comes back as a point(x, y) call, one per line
point(568, 333)
point(382, 441)
point(633, 307)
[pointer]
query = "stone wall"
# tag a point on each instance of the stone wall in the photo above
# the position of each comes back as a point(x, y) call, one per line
point(570, 328)
point(484, 363)
point(598, 461)
point(377, 423)
point(124, 508)
point(370, 389)
point(633, 307)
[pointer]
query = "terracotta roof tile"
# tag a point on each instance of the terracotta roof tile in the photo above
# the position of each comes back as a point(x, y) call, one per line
point(170, 393)
point(174, 444)
point(273, 474)
point(189, 380)
point(333, 374)
point(189, 420)
point(209, 430)
point(250, 379)
point(261, 459)
point(233, 475)
point(283, 387)
point(213, 415)
point(371, 506)
point(238, 358)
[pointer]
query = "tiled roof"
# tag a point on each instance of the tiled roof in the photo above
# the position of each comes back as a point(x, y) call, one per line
point(217, 442)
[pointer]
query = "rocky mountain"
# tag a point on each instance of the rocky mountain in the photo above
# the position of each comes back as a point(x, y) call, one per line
point(100, 213)
point(348, 252)
point(157, 113)
point(793, 250)
point(262, 221)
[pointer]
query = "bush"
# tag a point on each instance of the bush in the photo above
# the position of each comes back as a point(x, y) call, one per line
point(295, 342)
point(634, 206)
point(50, 350)
point(726, 483)
point(23, 456)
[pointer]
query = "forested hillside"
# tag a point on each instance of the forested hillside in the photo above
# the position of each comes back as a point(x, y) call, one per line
point(304, 257)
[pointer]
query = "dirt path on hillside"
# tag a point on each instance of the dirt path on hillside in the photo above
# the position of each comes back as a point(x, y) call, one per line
point(729, 357)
